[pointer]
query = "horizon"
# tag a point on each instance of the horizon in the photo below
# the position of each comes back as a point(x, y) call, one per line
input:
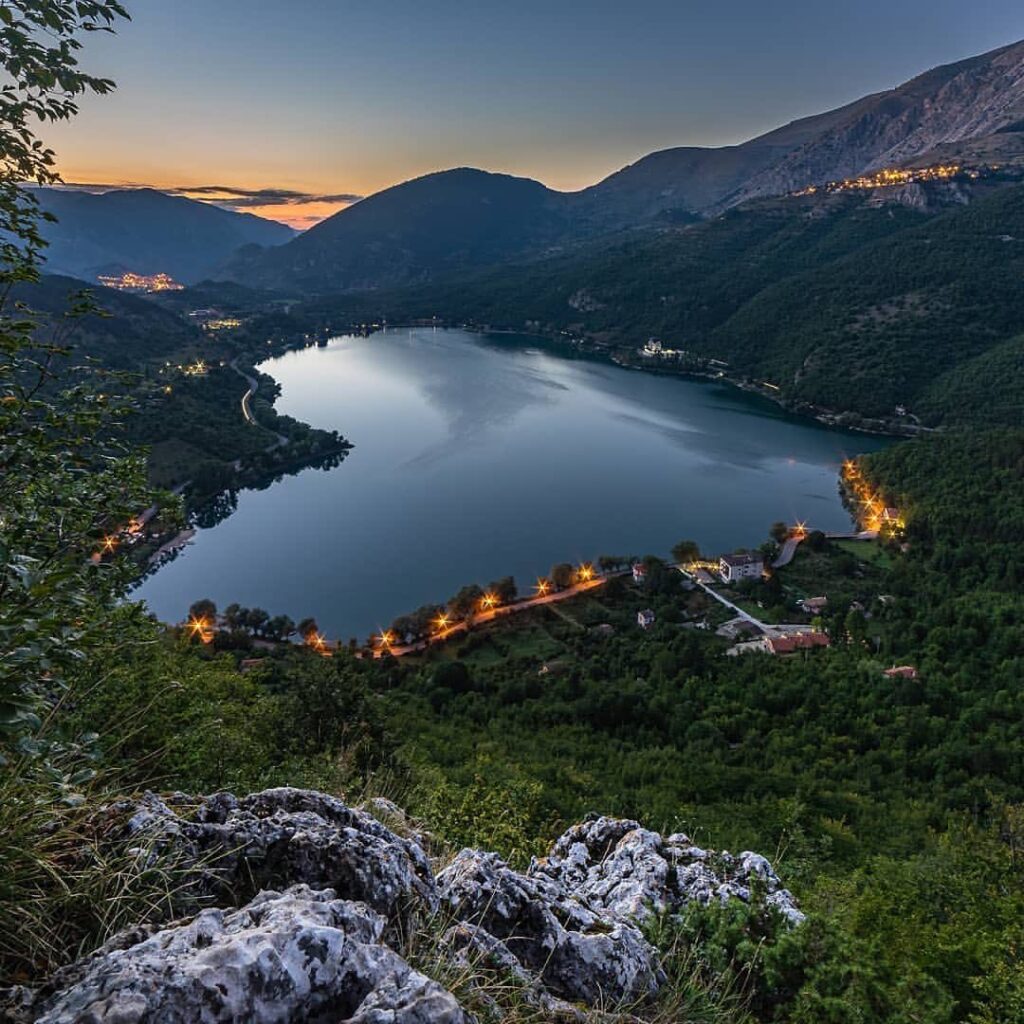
point(679, 78)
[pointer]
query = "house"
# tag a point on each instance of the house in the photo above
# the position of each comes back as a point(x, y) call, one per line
point(901, 672)
point(733, 568)
point(639, 573)
point(795, 642)
point(652, 348)
point(814, 605)
point(645, 619)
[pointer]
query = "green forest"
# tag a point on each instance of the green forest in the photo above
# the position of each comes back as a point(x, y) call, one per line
point(844, 305)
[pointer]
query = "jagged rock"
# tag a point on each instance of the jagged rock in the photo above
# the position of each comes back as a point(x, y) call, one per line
point(619, 868)
point(298, 956)
point(567, 930)
point(480, 955)
point(577, 954)
point(234, 847)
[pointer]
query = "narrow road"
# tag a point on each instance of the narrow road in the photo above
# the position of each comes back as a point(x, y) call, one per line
point(769, 629)
point(398, 651)
point(254, 386)
point(788, 551)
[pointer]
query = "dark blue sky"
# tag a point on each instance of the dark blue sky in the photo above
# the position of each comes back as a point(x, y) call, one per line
point(341, 96)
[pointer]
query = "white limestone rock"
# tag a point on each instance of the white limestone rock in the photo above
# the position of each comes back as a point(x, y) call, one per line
point(577, 953)
point(297, 956)
point(629, 872)
point(235, 847)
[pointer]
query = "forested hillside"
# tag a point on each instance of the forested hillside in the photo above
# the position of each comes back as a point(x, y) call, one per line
point(842, 304)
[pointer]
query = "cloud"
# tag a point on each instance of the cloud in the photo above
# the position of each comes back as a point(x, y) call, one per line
point(240, 198)
point(225, 195)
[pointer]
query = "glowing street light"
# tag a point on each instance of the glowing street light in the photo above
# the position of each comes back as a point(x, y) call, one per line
point(386, 638)
point(109, 544)
point(200, 628)
point(542, 587)
point(585, 572)
point(442, 622)
point(488, 601)
point(800, 530)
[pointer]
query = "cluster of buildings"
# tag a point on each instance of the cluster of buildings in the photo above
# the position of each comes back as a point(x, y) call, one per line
point(140, 283)
point(214, 320)
point(890, 177)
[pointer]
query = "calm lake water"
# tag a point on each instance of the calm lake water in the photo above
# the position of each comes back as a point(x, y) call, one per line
point(479, 456)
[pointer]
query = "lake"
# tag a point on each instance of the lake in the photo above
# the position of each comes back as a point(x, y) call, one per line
point(479, 456)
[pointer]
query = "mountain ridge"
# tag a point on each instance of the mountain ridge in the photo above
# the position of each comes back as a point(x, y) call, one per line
point(145, 231)
point(423, 229)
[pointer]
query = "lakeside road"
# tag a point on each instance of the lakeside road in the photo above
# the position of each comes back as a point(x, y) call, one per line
point(398, 651)
point(254, 386)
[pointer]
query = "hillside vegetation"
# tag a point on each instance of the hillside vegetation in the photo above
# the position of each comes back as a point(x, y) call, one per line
point(839, 303)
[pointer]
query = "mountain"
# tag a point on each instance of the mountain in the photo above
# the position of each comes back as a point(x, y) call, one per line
point(697, 179)
point(148, 232)
point(439, 223)
point(130, 332)
point(838, 302)
point(453, 221)
point(950, 106)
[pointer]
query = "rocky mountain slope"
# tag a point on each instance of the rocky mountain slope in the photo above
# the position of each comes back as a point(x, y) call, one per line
point(949, 107)
point(456, 221)
point(295, 907)
point(147, 232)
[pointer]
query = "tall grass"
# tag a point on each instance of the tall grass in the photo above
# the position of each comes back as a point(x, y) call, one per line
point(69, 878)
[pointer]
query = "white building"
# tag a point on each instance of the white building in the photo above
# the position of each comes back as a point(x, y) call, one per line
point(645, 619)
point(733, 568)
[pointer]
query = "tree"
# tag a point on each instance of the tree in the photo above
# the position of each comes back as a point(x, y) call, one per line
point(65, 488)
point(685, 551)
point(203, 609)
point(257, 619)
point(466, 601)
point(308, 627)
point(504, 590)
point(234, 614)
point(562, 575)
point(280, 627)
point(779, 532)
point(39, 44)
point(816, 540)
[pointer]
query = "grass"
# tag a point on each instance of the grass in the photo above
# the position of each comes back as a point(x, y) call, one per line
point(69, 879)
point(869, 551)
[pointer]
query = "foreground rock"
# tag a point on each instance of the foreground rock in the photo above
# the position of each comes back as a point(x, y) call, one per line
point(576, 952)
point(314, 895)
point(281, 837)
point(301, 955)
point(573, 920)
point(623, 870)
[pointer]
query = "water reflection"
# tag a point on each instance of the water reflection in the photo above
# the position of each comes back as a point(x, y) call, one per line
point(475, 458)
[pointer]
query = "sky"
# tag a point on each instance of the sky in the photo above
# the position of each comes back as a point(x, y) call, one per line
point(293, 109)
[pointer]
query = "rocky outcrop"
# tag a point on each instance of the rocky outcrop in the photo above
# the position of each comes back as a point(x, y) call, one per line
point(300, 955)
point(624, 870)
point(281, 837)
point(576, 952)
point(311, 898)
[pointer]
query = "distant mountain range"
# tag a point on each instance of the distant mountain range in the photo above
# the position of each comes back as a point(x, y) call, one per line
point(463, 219)
point(148, 232)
